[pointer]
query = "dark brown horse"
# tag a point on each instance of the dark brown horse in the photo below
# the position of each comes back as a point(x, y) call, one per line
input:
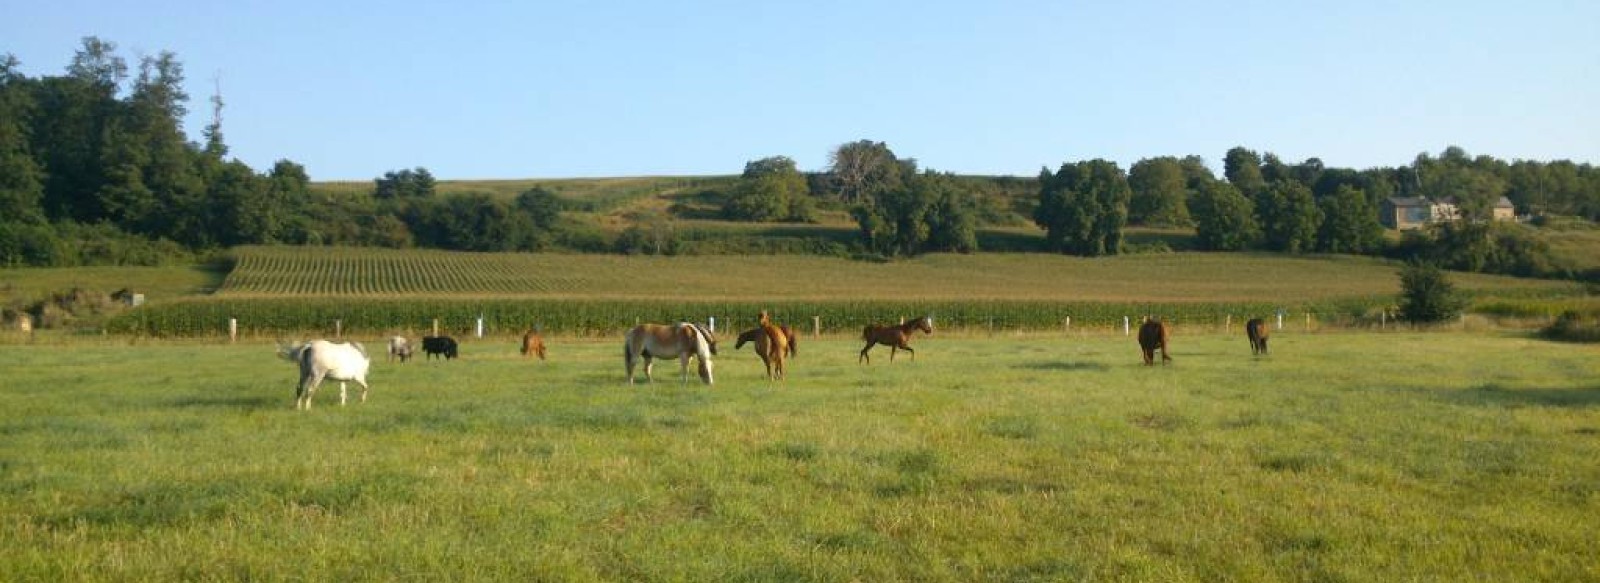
point(895, 337)
point(1153, 336)
point(1257, 331)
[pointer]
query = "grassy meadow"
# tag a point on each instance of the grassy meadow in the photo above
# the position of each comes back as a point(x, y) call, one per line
point(1341, 457)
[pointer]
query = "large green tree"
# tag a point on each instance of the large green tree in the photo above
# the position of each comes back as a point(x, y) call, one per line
point(1288, 216)
point(864, 168)
point(1160, 192)
point(1242, 167)
point(21, 178)
point(771, 189)
point(1350, 223)
point(1083, 207)
point(1224, 218)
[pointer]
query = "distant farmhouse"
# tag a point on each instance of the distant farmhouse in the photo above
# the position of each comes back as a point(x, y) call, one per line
point(1402, 213)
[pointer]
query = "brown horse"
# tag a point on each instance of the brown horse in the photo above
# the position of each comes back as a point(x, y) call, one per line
point(895, 337)
point(1256, 330)
point(759, 335)
point(777, 347)
point(1153, 336)
point(532, 343)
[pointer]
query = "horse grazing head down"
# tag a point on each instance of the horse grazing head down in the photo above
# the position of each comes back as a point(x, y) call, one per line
point(321, 359)
point(1256, 331)
point(683, 340)
point(532, 343)
point(1153, 335)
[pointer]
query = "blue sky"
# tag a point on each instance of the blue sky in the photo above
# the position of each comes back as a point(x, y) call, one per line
point(478, 90)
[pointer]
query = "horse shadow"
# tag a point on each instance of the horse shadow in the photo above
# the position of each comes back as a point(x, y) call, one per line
point(231, 401)
point(1066, 366)
point(1495, 395)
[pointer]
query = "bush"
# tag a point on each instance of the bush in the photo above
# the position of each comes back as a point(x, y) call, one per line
point(1427, 296)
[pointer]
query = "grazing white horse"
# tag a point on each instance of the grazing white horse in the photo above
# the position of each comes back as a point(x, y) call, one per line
point(319, 359)
point(682, 340)
point(399, 346)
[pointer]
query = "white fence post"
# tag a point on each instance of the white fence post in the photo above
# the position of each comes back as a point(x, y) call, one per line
point(480, 326)
point(233, 329)
point(1125, 326)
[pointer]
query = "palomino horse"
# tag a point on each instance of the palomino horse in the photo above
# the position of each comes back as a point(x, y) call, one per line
point(532, 344)
point(895, 337)
point(1256, 330)
point(319, 359)
point(1153, 336)
point(682, 340)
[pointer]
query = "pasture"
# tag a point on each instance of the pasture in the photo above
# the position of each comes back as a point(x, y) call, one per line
point(1342, 457)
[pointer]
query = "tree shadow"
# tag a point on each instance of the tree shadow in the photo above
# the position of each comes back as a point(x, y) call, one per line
point(1495, 395)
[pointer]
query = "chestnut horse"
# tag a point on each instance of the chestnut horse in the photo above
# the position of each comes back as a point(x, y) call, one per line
point(777, 347)
point(756, 334)
point(682, 340)
point(532, 344)
point(762, 346)
point(1256, 330)
point(895, 337)
point(1153, 336)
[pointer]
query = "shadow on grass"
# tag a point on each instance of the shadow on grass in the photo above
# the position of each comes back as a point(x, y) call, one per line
point(240, 401)
point(1498, 396)
point(1066, 366)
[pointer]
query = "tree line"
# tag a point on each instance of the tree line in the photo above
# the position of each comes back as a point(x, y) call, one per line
point(95, 168)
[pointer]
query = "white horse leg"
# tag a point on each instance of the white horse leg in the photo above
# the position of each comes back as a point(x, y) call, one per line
point(342, 394)
point(683, 368)
point(363, 383)
point(649, 368)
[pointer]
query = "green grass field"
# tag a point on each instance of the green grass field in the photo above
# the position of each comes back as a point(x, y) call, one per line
point(1341, 457)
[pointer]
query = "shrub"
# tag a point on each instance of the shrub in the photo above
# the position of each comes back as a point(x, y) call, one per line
point(1427, 296)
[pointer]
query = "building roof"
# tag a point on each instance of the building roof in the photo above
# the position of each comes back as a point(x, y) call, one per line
point(1409, 201)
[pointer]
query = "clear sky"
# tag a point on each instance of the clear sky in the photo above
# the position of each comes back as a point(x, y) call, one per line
point(477, 90)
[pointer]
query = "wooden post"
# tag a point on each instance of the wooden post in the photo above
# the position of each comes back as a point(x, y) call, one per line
point(1383, 319)
point(1308, 321)
point(233, 330)
point(1066, 325)
point(1228, 325)
point(1125, 326)
point(338, 328)
point(816, 326)
point(435, 326)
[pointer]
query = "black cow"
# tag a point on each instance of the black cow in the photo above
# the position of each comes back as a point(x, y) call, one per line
point(441, 345)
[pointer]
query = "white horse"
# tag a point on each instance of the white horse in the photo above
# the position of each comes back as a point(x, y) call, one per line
point(682, 340)
point(319, 359)
point(399, 346)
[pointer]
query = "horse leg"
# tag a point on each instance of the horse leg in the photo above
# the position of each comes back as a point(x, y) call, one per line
point(870, 344)
point(892, 350)
point(342, 393)
point(310, 390)
point(363, 383)
point(683, 368)
point(907, 348)
point(649, 369)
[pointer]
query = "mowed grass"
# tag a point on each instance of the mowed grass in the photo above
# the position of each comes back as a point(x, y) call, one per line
point(1341, 457)
point(1186, 277)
